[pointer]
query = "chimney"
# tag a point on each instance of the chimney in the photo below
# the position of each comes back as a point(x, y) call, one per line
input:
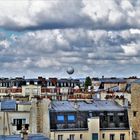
point(24, 134)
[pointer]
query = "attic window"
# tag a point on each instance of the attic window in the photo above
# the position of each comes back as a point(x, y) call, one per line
point(71, 118)
point(60, 118)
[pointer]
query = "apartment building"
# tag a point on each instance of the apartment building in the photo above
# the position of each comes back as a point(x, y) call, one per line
point(96, 120)
point(13, 117)
point(53, 88)
point(66, 120)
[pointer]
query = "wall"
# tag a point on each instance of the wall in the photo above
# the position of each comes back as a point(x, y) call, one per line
point(23, 107)
point(66, 135)
point(93, 127)
point(31, 90)
point(6, 121)
point(33, 118)
point(46, 117)
point(135, 108)
point(116, 133)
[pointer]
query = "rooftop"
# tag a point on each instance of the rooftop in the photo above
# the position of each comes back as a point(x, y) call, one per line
point(96, 105)
point(137, 81)
point(8, 105)
point(110, 80)
point(30, 137)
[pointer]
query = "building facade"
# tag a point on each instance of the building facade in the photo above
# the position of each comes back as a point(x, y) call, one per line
point(90, 120)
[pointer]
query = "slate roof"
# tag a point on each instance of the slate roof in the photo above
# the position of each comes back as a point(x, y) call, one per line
point(37, 137)
point(8, 105)
point(109, 80)
point(115, 88)
point(137, 81)
point(11, 137)
point(30, 137)
point(24, 103)
point(96, 105)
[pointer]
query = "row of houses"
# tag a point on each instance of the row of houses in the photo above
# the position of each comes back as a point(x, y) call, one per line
point(63, 89)
point(19, 81)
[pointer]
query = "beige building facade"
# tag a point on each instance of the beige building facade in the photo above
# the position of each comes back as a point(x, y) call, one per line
point(92, 133)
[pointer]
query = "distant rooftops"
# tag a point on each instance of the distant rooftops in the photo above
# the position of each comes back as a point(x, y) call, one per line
point(97, 105)
point(137, 81)
point(111, 80)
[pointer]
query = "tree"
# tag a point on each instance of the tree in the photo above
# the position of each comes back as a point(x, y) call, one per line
point(88, 82)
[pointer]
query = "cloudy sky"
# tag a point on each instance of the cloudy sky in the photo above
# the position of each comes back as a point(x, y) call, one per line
point(44, 37)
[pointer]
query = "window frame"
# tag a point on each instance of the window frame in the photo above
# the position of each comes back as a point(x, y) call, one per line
point(71, 137)
point(122, 136)
point(71, 116)
point(60, 120)
point(112, 136)
point(60, 137)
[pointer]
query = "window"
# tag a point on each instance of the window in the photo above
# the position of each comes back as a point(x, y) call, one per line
point(111, 118)
point(134, 135)
point(60, 118)
point(48, 83)
point(72, 137)
point(112, 137)
point(72, 84)
point(60, 137)
point(90, 114)
point(81, 136)
point(52, 90)
point(121, 118)
point(27, 91)
point(26, 126)
point(61, 84)
point(35, 90)
point(122, 136)
point(19, 123)
point(104, 118)
point(134, 113)
point(71, 118)
point(103, 135)
point(95, 136)
point(27, 83)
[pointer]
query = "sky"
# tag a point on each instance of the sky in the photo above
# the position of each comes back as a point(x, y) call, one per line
point(45, 37)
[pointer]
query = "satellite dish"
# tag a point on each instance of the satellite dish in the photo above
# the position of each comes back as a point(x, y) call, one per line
point(70, 70)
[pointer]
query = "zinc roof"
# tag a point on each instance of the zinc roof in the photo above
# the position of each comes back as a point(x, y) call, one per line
point(97, 105)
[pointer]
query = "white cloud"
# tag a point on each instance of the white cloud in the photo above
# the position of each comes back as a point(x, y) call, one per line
point(53, 50)
point(59, 33)
point(30, 14)
point(135, 31)
point(131, 49)
point(4, 43)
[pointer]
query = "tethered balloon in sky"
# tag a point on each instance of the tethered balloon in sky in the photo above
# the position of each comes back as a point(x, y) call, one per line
point(70, 70)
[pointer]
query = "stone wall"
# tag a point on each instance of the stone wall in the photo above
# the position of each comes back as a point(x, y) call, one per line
point(135, 109)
